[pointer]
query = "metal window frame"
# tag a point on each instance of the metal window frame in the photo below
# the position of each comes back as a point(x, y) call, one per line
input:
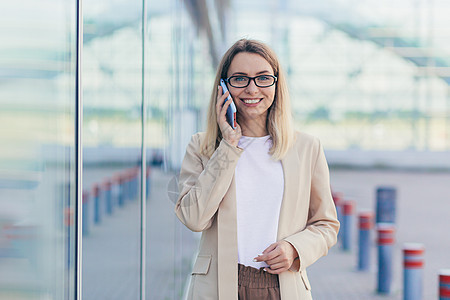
point(143, 228)
point(78, 152)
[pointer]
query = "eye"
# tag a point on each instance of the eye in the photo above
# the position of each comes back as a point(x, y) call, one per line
point(264, 78)
point(240, 78)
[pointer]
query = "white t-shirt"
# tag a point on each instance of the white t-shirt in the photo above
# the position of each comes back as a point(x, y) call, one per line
point(259, 192)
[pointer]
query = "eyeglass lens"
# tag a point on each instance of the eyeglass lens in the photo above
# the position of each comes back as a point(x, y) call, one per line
point(243, 81)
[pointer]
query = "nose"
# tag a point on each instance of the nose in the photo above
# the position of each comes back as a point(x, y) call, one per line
point(251, 88)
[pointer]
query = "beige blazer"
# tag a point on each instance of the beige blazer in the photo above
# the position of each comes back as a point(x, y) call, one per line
point(207, 203)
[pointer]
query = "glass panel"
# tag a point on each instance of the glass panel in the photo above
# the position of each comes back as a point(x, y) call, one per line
point(179, 82)
point(112, 69)
point(37, 152)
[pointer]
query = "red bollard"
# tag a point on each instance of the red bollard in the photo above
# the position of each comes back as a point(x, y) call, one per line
point(444, 284)
point(96, 196)
point(386, 239)
point(108, 195)
point(126, 185)
point(85, 211)
point(120, 182)
point(347, 224)
point(365, 227)
point(413, 256)
point(134, 183)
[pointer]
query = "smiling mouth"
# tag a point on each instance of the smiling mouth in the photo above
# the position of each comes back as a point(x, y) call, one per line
point(251, 101)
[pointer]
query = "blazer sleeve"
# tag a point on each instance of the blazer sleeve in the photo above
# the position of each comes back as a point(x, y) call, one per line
point(203, 188)
point(322, 226)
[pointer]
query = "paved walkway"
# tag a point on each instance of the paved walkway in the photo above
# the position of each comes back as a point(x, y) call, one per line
point(423, 208)
point(111, 251)
point(111, 256)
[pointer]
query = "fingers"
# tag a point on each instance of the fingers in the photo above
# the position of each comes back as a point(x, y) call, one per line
point(273, 270)
point(269, 253)
point(222, 106)
point(270, 248)
point(221, 100)
point(277, 266)
point(231, 135)
point(279, 261)
point(238, 128)
point(275, 257)
point(266, 257)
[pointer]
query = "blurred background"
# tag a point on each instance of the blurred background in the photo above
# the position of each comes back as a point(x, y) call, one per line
point(369, 78)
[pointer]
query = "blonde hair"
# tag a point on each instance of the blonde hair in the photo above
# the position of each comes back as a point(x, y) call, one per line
point(279, 118)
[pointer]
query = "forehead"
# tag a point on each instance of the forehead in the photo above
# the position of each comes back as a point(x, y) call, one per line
point(249, 63)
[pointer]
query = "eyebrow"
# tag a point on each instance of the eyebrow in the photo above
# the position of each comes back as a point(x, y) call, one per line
point(242, 73)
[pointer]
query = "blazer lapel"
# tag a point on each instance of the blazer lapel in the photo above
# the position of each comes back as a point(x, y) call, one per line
point(291, 172)
point(227, 251)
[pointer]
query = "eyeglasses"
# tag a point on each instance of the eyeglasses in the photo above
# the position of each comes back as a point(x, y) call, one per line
point(241, 81)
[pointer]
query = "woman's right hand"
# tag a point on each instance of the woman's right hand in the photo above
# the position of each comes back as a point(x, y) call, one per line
point(231, 135)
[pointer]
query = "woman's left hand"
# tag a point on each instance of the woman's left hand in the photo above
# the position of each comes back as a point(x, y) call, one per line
point(279, 256)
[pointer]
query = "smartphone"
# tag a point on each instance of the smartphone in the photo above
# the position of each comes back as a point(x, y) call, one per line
point(231, 110)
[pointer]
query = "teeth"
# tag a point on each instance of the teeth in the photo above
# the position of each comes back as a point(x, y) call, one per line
point(252, 101)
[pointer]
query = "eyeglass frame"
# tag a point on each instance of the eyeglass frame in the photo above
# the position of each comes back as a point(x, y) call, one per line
point(250, 79)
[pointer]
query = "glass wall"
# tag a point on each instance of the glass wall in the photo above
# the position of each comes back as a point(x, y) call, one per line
point(179, 79)
point(112, 85)
point(37, 152)
point(38, 168)
point(178, 76)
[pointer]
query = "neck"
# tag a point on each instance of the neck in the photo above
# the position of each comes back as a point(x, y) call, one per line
point(253, 127)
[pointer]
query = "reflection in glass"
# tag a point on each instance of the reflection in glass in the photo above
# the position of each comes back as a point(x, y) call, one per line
point(180, 77)
point(37, 156)
point(112, 83)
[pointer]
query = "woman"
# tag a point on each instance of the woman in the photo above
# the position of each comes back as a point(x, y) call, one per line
point(260, 193)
